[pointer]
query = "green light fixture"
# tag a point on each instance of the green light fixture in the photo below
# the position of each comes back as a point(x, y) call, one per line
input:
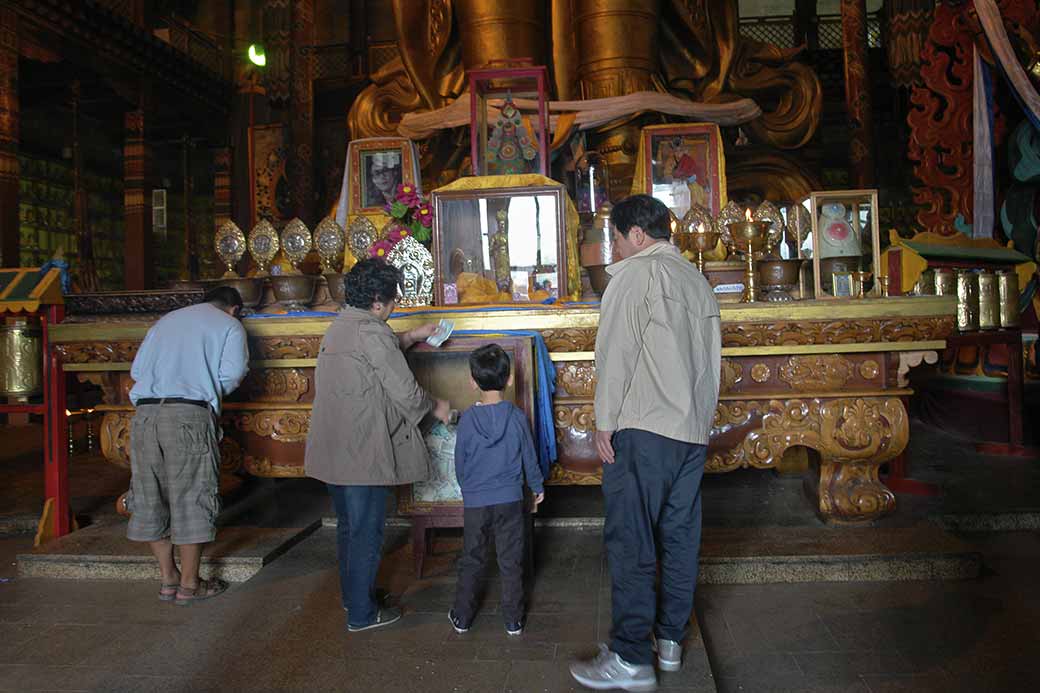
point(257, 55)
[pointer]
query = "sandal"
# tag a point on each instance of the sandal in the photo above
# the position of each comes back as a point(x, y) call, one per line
point(167, 593)
point(206, 589)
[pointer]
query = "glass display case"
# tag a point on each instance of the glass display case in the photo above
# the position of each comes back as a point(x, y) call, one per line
point(444, 373)
point(844, 242)
point(499, 245)
point(509, 120)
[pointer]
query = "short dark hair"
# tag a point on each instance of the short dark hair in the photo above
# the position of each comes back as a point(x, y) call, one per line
point(643, 211)
point(489, 366)
point(369, 282)
point(224, 297)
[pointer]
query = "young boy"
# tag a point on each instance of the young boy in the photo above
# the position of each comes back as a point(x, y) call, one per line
point(493, 455)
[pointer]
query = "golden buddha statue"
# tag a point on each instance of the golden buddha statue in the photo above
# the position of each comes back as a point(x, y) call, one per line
point(601, 48)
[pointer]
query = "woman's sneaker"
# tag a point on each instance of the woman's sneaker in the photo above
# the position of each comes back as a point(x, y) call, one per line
point(515, 628)
point(456, 623)
point(384, 617)
point(669, 654)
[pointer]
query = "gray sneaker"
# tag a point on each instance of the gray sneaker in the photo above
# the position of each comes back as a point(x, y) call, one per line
point(669, 654)
point(609, 671)
point(384, 617)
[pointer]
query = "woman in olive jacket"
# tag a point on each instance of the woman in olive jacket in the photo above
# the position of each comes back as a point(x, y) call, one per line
point(364, 433)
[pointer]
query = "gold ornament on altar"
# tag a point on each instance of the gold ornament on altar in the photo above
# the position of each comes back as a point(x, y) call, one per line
point(329, 240)
point(230, 244)
point(361, 234)
point(746, 238)
point(296, 243)
point(416, 266)
point(767, 211)
point(263, 246)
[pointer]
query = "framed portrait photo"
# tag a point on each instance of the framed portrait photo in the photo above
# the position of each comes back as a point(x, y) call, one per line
point(377, 167)
point(684, 166)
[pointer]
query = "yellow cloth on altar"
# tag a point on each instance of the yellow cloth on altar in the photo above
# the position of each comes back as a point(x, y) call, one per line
point(570, 221)
point(912, 264)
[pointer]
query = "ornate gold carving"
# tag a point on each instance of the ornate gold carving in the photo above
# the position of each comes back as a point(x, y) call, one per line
point(97, 352)
point(573, 339)
point(760, 373)
point(729, 415)
point(263, 466)
point(580, 418)
point(869, 369)
point(819, 372)
point(285, 426)
point(270, 348)
point(567, 477)
point(115, 437)
point(577, 379)
point(275, 385)
point(732, 374)
point(231, 457)
point(782, 333)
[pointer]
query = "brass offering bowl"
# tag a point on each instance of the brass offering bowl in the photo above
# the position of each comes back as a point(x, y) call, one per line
point(778, 277)
point(251, 289)
point(337, 290)
point(702, 242)
point(749, 237)
point(294, 292)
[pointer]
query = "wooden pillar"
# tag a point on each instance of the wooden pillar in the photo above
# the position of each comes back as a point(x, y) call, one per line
point(857, 92)
point(222, 188)
point(137, 203)
point(302, 109)
point(10, 232)
point(87, 270)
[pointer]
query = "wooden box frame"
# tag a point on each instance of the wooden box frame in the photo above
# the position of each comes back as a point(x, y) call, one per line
point(359, 149)
point(714, 166)
point(429, 515)
point(439, 198)
point(488, 83)
point(812, 203)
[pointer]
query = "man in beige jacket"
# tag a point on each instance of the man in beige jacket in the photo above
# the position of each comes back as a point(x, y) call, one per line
point(658, 353)
point(364, 434)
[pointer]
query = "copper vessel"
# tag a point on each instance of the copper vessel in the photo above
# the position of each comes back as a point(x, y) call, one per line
point(294, 292)
point(21, 353)
point(251, 289)
point(337, 289)
point(778, 277)
point(967, 301)
point(989, 301)
point(1007, 291)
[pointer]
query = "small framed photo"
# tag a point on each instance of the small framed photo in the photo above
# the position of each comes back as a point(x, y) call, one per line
point(842, 283)
point(377, 167)
point(684, 165)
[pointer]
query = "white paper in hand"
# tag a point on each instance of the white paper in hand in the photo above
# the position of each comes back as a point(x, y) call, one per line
point(444, 330)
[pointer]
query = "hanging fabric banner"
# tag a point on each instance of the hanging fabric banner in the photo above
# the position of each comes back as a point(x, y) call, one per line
point(982, 150)
point(993, 25)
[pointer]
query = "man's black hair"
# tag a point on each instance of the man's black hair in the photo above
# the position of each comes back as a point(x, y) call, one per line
point(645, 212)
point(224, 297)
point(369, 282)
point(489, 366)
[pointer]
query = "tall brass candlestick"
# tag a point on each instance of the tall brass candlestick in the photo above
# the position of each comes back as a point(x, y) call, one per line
point(703, 240)
point(749, 237)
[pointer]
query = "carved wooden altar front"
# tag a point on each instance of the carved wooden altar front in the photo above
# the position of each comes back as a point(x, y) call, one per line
point(813, 375)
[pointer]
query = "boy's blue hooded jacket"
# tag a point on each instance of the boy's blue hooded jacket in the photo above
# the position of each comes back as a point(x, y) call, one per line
point(494, 453)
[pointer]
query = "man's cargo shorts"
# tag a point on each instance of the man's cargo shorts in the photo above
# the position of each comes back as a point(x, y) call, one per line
point(175, 470)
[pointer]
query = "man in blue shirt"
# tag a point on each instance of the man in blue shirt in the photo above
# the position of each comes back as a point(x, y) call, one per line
point(189, 360)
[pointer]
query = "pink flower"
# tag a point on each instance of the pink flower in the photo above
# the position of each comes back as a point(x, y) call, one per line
point(380, 248)
point(406, 195)
point(424, 214)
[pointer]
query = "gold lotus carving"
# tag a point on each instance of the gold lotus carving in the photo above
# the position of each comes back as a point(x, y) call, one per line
point(761, 372)
point(732, 374)
point(284, 426)
point(577, 379)
point(869, 369)
point(275, 385)
point(819, 372)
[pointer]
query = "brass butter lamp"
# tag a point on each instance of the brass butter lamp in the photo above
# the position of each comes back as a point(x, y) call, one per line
point(703, 239)
point(748, 237)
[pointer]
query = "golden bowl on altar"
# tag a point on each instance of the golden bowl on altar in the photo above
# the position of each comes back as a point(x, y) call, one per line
point(749, 236)
point(251, 289)
point(701, 241)
point(294, 291)
point(777, 277)
point(337, 289)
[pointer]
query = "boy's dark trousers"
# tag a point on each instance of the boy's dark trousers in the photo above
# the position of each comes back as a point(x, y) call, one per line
point(505, 522)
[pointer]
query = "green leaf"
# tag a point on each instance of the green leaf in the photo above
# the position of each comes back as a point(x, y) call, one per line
point(398, 209)
point(422, 234)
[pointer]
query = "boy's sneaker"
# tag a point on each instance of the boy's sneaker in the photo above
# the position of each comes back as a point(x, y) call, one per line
point(515, 628)
point(456, 623)
point(384, 617)
point(609, 671)
point(669, 654)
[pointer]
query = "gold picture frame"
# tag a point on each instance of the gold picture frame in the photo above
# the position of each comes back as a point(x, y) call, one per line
point(390, 159)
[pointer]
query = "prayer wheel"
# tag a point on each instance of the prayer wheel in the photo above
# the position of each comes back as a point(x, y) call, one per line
point(967, 301)
point(21, 356)
point(989, 302)
point(1007, 289)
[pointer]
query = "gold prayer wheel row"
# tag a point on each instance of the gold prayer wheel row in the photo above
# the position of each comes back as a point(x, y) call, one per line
point(985, 300)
